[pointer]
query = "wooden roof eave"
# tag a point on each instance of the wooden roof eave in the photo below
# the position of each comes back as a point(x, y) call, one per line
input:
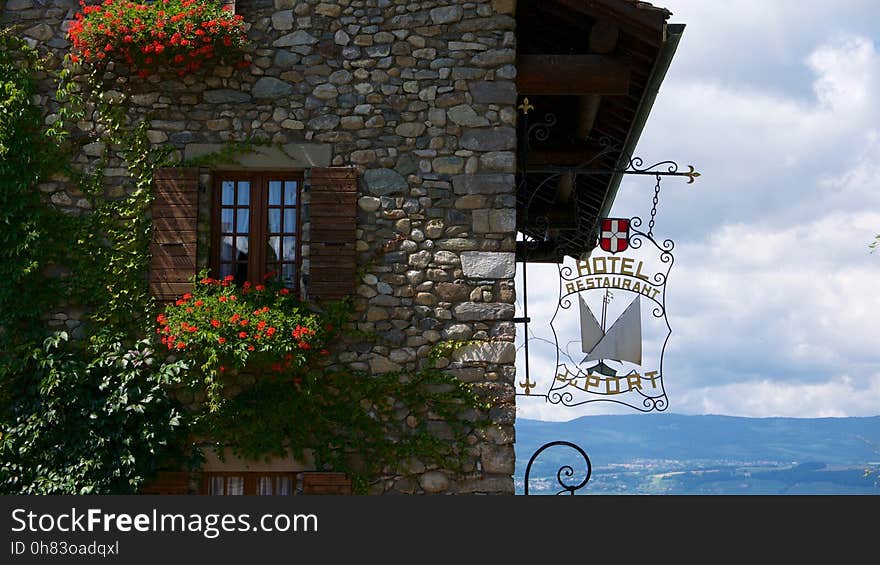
point(643, 21)
point(658, 74)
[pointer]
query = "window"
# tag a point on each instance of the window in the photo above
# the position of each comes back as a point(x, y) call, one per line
point(256, 227)
point(249, 483)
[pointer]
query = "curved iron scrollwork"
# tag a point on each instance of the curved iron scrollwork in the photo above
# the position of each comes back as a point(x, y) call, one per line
point(636, 166)
point(566, 471)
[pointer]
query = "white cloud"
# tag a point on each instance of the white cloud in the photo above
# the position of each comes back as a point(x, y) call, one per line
point(773, 299)
point(839, 396)
point(762, 43)
point(762, 152)
point(845, 71)
point(797, 299)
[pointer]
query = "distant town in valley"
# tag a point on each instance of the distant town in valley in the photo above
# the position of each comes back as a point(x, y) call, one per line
point(657, 454)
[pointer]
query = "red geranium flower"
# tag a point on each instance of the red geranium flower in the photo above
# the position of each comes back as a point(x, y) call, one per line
point(109, 27)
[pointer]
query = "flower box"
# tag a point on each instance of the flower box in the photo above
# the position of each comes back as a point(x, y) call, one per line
point(179, 36)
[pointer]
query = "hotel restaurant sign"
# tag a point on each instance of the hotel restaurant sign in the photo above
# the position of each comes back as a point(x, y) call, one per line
point(617, 298)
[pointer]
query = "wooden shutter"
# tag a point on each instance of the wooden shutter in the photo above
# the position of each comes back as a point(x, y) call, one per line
point(333, 217)
point(326, 483)
point(175, 214)
point(167, 482)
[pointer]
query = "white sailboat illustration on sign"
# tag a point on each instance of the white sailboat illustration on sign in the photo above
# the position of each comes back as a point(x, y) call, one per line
point(622, 341)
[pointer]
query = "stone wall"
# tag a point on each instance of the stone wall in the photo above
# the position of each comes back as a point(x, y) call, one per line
point(420, 96)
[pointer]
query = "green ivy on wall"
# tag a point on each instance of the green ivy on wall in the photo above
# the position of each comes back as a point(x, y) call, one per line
point(92, 415)
point(27, 238)
point(97, 415)
point(297, 401)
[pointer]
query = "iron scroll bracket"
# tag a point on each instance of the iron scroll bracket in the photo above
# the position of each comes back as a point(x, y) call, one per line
point(565, 471)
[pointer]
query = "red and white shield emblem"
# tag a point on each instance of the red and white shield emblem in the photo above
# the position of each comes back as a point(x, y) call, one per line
point(614, 235)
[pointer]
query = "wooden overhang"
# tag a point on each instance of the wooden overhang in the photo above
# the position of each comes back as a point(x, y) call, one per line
point(595, 66)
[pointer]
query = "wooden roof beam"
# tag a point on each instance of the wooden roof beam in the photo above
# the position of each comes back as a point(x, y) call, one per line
point(603, 41)
point(564, 156)
point(646, 23)
point(573, 75)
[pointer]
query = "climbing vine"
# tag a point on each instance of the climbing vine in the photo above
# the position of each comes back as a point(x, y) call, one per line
point(365, 425)
point(262, 340)
point(100, 413)
point(27, 240)
point(91, 415)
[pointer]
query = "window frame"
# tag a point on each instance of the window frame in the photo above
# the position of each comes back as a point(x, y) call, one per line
point(258, 221)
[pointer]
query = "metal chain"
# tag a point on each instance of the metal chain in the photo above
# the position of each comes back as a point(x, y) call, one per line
point(654, 208)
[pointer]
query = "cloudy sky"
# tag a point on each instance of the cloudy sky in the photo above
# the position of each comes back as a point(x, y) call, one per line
point(774, 298)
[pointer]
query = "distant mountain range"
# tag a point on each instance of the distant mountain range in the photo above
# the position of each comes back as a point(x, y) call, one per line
point(677, 454)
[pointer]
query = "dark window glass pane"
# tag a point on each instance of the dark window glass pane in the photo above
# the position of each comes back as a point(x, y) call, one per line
point(216, 486)
point(290, 192)
point(241, 273)
point(264, 486)
point(272, 270)
point(290, 220)
point(288, 271)
point(274, 252)
point(274, 193)
point(282, 486)
point(228, 197)
point(226, 249)
point(275, 220)
point(226, 217)
point(225, 269)
point(289, 248)
point(244, 193)
point(241, 248)
point(243, 221)
point(235, 485)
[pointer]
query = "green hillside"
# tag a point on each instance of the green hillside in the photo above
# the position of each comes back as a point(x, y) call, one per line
point(676, 454)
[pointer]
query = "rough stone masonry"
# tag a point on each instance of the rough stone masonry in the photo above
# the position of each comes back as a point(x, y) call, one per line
point(420, 96)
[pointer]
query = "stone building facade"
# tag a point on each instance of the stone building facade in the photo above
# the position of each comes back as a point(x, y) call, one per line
point(418, 98)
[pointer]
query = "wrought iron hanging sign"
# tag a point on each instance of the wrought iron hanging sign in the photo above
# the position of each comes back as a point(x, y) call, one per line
point(613, 299)
point(616, 298)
